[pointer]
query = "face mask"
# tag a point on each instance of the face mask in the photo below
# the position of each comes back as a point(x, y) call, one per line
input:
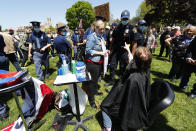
point(125, 22)
point(65, 33)
point(142, 28)
point(36, 29)
point(99, 35)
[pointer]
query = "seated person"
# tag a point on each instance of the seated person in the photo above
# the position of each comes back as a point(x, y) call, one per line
point(128, 100)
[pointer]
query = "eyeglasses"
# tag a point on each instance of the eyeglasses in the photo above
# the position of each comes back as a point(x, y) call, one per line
point(101, 29)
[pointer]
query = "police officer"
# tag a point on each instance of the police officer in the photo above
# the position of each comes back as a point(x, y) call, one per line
point(62, 45)
point(139, 38)
point(123, 33)
point(39, 43)
point(114, 25)
point(76, 41)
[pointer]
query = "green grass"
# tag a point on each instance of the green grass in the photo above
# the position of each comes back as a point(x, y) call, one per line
point(181, 115)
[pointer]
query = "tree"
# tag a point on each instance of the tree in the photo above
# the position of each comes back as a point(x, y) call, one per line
point(170, 12)
point(141, 12)
point(49, 29)
point(80, 10)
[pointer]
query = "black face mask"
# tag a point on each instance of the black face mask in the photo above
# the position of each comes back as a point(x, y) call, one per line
point(11, 33)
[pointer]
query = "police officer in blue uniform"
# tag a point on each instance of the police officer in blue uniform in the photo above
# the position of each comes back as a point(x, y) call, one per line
point(76, 39)
point(123, 33)
point(139, 38)
point(109, 36)
point(39, 44)
point(62, 45)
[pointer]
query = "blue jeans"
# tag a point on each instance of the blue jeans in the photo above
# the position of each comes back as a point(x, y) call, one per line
point(40, 59)
point(14, 59)
point(4, 65)
point(107, 122)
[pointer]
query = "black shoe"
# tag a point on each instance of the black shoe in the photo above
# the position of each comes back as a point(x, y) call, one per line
point(109, 83)
point(184, 87)
point(4, 115)
point(99, 93)
point(192, 95)
point(93, 105)
point(47, 75)
point(108, 90)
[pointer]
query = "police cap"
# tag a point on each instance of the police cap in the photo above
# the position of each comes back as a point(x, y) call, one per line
point(76, 29)
point(60, 26)
point(114, 24)
point(142, 22)
point(35, 23)
point(125, 14)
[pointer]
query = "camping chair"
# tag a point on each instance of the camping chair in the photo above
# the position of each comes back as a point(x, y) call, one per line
point(162, 96)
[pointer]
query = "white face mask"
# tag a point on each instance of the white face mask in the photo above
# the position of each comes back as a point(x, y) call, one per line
point(36, 29)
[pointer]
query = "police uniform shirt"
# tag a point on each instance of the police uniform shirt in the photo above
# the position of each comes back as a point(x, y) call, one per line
point(75, 38)
point(61, 44)
point(88, 32)
point(118, 35)
point(39, 40)
point(139, 38)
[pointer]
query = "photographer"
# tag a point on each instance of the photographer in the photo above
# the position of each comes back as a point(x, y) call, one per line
point(123, 33)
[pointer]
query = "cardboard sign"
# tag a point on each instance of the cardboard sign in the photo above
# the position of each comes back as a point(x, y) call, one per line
point(103, 11)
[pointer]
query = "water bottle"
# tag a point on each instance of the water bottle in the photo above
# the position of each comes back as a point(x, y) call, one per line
point(65, 67)
point(80, 71)
point(73, 67)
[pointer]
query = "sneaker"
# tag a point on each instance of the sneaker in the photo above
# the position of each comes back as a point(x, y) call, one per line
point(23, 67)
point(192, 95)
point(99, 94)
point(109, 83)
point(184, 87)
point(172, 79)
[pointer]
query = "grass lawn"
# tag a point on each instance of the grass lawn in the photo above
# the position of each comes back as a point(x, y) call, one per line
point(181, 115)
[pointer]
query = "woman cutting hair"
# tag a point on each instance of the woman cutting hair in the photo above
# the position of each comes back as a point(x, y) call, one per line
point(95, 51)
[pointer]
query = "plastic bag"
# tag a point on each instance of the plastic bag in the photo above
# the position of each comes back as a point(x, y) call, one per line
point(82, 98)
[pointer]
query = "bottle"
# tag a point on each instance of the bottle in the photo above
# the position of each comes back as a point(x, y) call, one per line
point(73, 67)
point(80, 71)
point(65, 67)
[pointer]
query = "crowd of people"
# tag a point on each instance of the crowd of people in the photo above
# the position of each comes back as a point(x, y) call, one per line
point(129, 45)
